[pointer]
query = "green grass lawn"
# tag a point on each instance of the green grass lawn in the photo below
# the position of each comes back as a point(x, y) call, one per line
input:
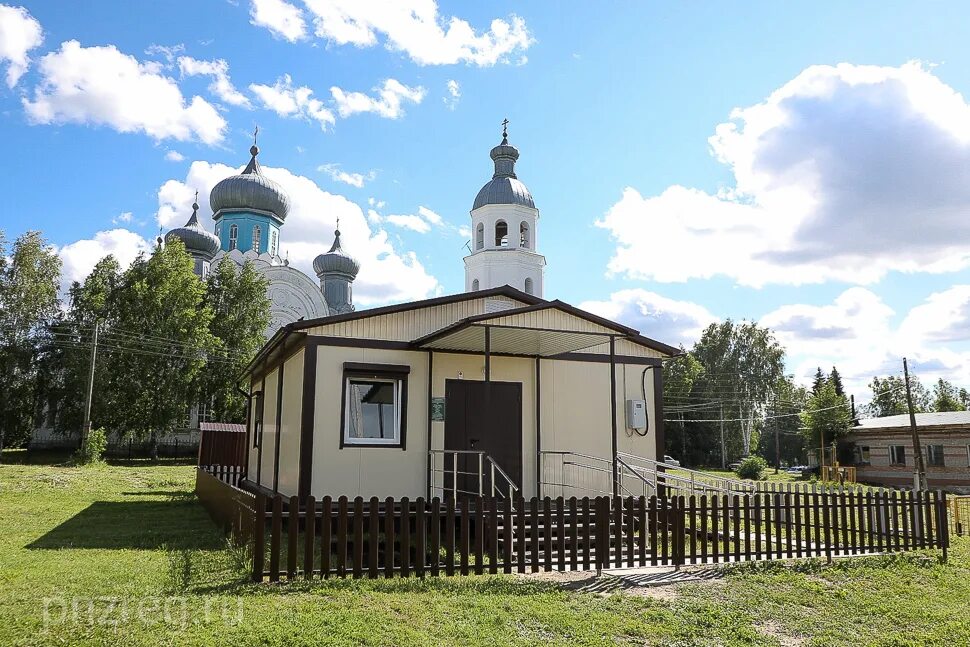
point(123, 554)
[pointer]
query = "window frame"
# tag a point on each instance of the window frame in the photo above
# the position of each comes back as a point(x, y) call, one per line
point(892, 455)
point(865, 455)
point(476, 285)
point(382, 372)
point(529, 285)
point(257, 237)
point(931, 453)
point(273, 242)
point(480, 236)
point(499, 239)
point(233, 237)
point(524, 235)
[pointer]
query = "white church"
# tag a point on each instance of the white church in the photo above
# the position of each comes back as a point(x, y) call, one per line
point(494, 390)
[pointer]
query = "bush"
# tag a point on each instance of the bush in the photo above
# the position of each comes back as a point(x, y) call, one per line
point(752, 467)
point(92, 450)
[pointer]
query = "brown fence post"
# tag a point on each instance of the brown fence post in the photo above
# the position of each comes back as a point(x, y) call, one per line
point(292, 534)
point(310, 532)
point(259, 530)
point(943, 524)
point(274, 541)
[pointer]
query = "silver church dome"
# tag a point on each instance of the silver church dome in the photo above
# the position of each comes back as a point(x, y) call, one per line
point(194, 236)
point(336, 261)
point(250, 190)
point(504, 187)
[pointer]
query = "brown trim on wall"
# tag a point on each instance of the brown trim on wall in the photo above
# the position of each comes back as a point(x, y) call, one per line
point(615, 441)
point(605, 359)
point(277, 354)
point(249, 416)
point(306, 418)
point(376, 369)
point(427, 457)
point(279, 422)
point(359, 342)
point(538, 381)
point(259, 452)
point(658, 399)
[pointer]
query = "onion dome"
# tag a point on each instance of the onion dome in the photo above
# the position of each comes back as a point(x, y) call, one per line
point(196, 239)
point(504, 187)
point(250, 190)
point(336, 261)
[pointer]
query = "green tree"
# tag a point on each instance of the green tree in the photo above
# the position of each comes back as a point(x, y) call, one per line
point(889, 396)
point(819, 381)
point(66, 369)
point(964, 397)
point(159, 307)
point(826, 417)
point(783, 424)
point(240, 311)
point(28, 303)
point(836, 381)
point(679, 376)
point(946, 397)
point(743, 364)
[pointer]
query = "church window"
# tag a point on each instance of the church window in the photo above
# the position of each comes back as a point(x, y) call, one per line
point(501, 234)
point(524, 235)
point(528, 286)
point(272, 242)
point(257, 237)
point(475, 285)
point(480, 236)
point(233, 237)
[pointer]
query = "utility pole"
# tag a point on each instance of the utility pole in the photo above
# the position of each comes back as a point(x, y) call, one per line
point(777, 448)
point(723, 458)
point(86, 429)
point(920, 476)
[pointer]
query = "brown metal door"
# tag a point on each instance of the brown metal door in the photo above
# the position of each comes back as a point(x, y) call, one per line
point(487, 417)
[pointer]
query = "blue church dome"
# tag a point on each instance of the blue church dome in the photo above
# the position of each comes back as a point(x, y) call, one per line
point(250, 190)
point(196, 239)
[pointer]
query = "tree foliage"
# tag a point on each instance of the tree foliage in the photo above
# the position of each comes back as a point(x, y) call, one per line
point(240, 311)
point(826, 418)
point(889, 396)
point(946, 397)
point(28, 303)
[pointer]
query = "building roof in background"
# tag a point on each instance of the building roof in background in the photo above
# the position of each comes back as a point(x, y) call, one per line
point(940, 419)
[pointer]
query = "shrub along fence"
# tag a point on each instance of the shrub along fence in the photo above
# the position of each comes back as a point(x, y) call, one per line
point(382, 538)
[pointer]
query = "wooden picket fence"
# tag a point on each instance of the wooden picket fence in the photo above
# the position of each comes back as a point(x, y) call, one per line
point(234, 509)
point(382, 538)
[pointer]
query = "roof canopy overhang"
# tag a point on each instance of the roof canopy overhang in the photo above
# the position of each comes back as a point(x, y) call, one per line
point(512, 340)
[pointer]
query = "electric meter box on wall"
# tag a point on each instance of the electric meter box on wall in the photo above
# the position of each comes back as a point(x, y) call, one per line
point(636, 414)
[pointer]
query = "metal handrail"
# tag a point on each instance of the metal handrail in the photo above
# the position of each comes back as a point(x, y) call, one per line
point(607, 469)
point(707, 481)
point(455, 472)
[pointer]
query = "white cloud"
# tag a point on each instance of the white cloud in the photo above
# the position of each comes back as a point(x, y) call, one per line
point(280, 17)
point(81, 256)
point(386, 274)
point(387, 104)
point(421, 223)
point(174, 156)
point(353, 179)
point(123, 217)
point(409, 221)
point(845, 173)
point(666, 320)
point(856, 334)
point(19, 33)
point(218, 69)
point(415, 28)
point(454, 94)
point(102, 86)
point(287, 101)
point(168, 52)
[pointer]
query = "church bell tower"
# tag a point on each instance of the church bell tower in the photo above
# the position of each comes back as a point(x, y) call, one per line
point(505, 230)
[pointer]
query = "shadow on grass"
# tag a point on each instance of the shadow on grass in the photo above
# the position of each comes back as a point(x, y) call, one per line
point(504, 585)
point(137, 525)
point(62, 457)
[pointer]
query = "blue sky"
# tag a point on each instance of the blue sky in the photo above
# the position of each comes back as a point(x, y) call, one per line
point(832, 206)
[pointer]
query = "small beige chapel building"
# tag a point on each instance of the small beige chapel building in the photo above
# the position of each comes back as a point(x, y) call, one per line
point(494, 391)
